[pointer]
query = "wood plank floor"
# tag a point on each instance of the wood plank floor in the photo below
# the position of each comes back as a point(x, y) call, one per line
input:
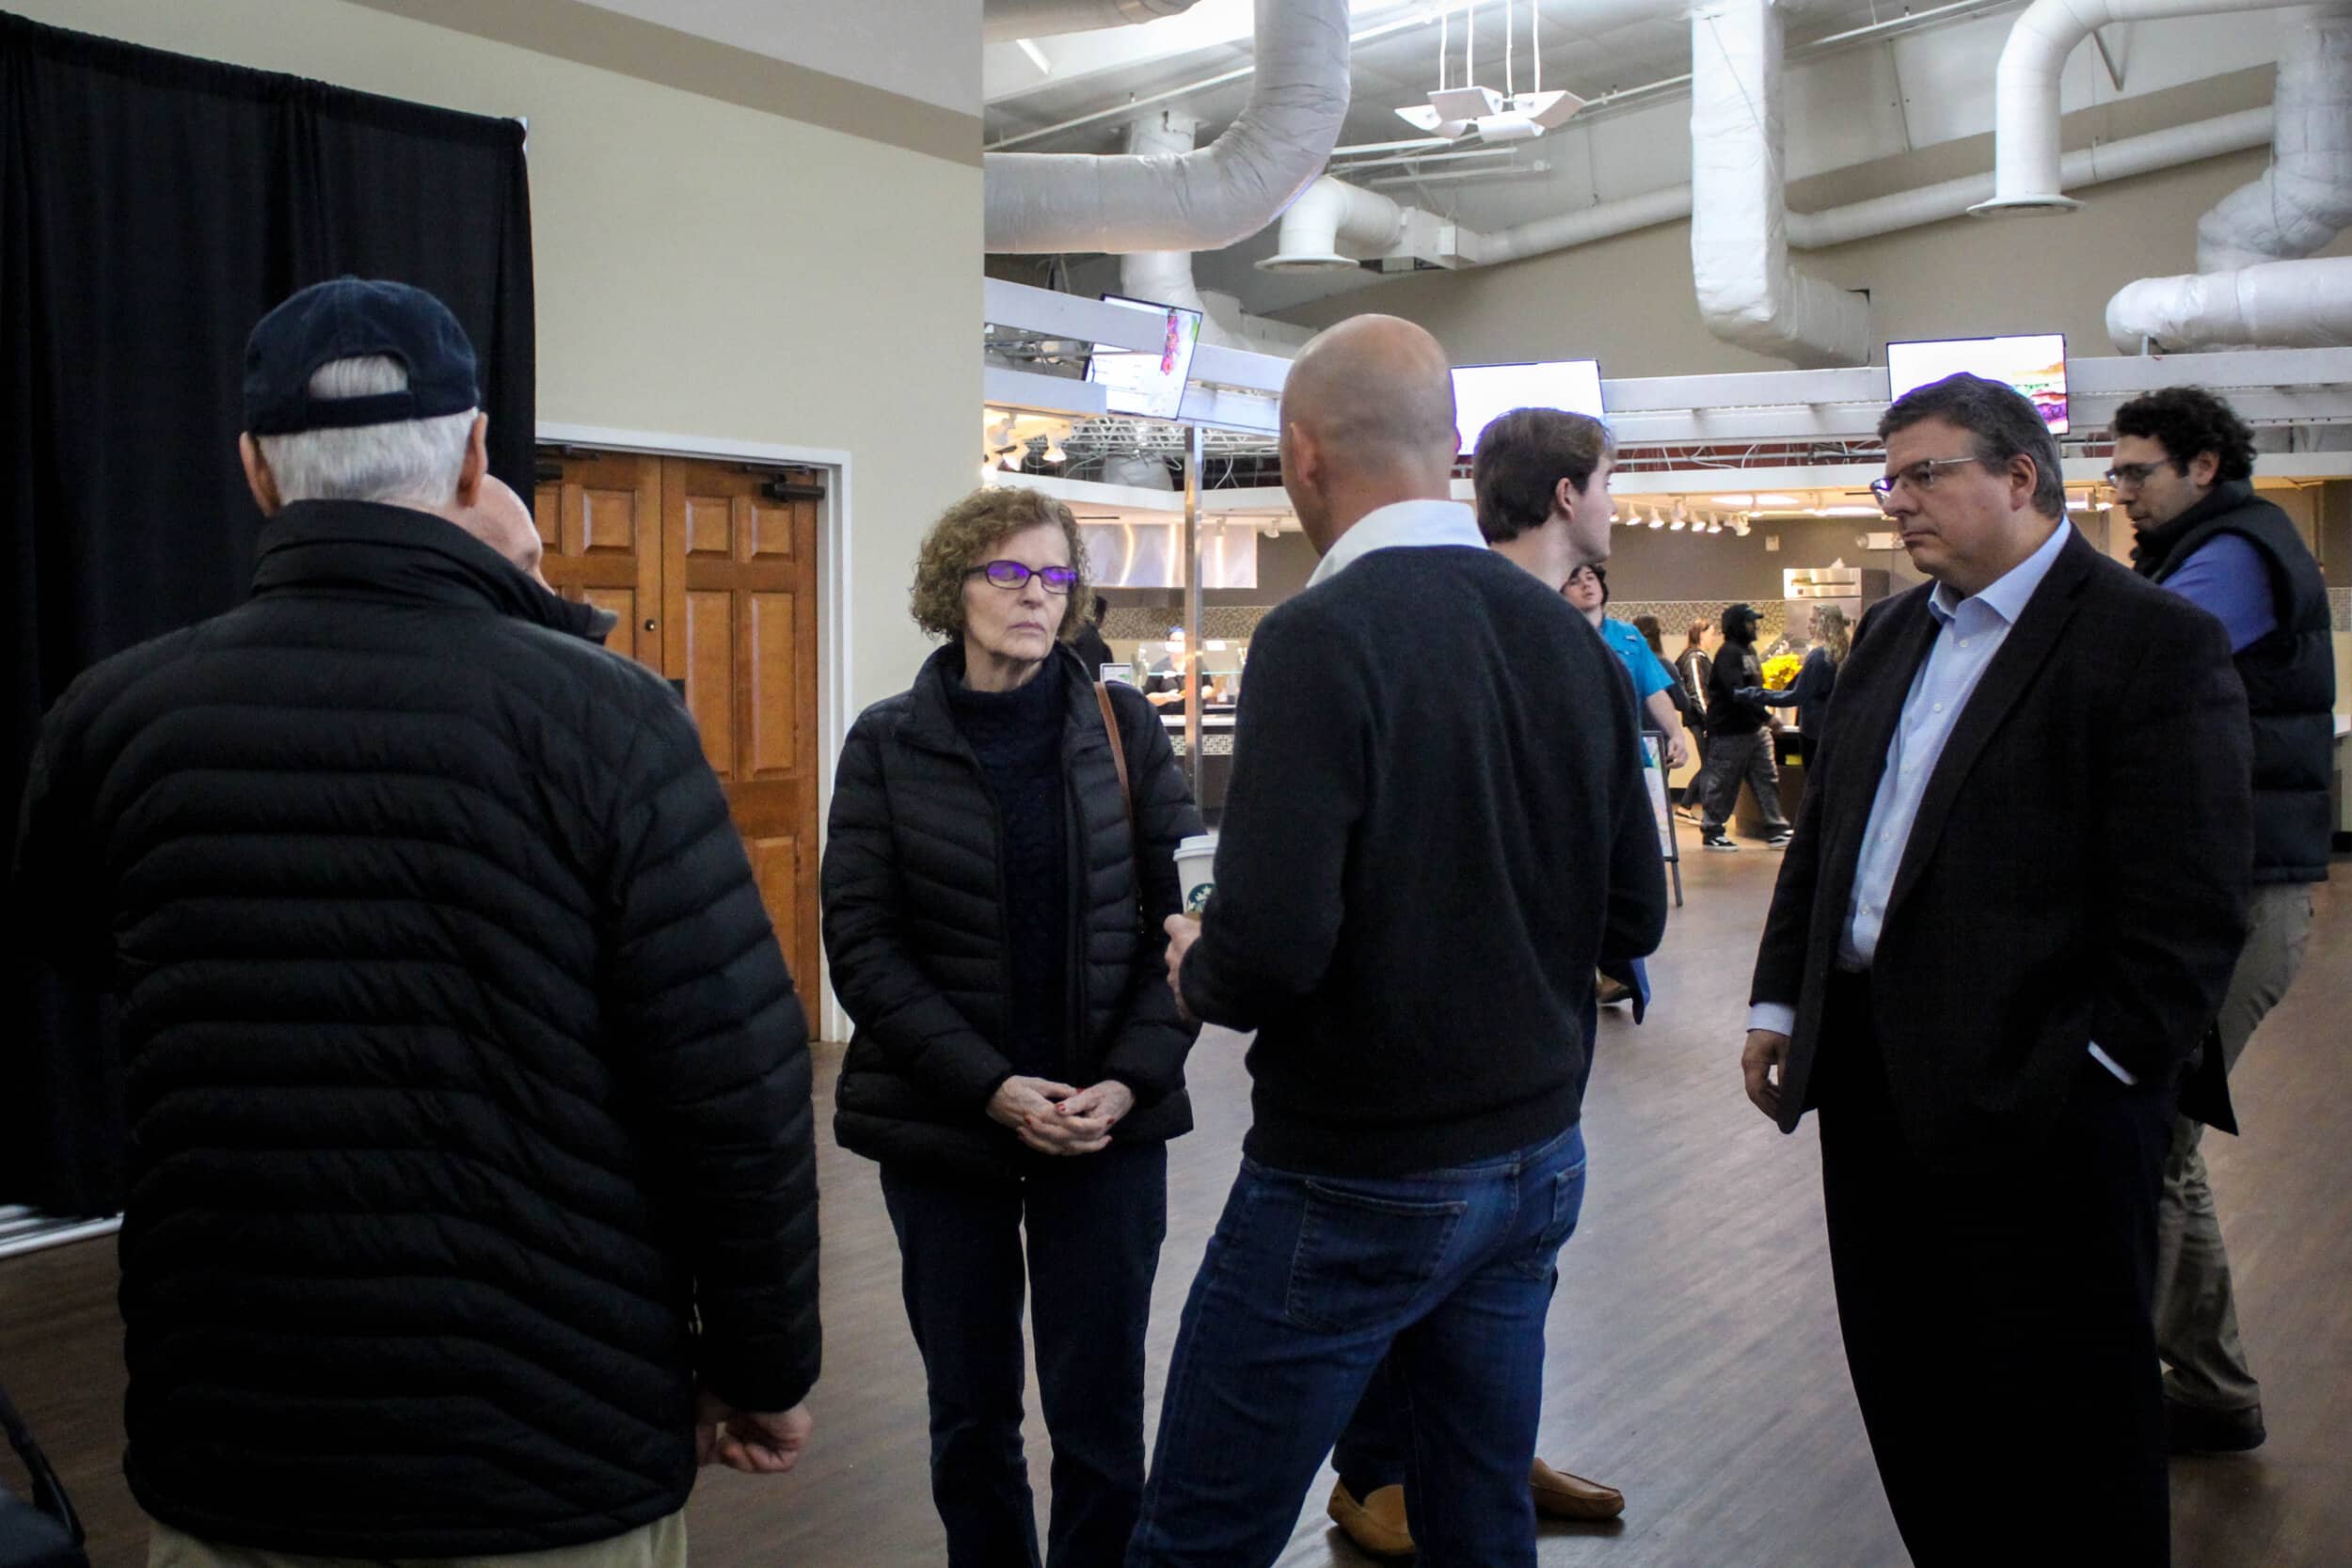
point(1695, 1359)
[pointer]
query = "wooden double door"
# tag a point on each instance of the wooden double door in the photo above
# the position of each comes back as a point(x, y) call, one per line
point(712, 567)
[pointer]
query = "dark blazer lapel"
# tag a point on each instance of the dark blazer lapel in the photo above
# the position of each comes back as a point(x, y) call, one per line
point(2024, 651)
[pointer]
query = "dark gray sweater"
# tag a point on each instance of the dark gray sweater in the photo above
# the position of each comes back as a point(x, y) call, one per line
point(1435, 829)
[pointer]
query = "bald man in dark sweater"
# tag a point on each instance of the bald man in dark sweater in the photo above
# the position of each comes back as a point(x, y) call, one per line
point(1429, 843)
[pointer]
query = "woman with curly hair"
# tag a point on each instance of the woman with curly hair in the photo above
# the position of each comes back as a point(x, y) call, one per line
point(1000, 860)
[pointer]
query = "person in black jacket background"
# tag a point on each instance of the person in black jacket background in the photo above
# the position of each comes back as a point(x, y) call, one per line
point(469, 1091)
point(1737, 744)
point(993, 909)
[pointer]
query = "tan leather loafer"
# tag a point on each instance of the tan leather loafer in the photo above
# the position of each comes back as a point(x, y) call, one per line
point(1562, 1495)
point(1376, 1524)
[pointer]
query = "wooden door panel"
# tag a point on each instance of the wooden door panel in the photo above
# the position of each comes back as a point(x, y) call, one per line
point(740, 593)
point(776, 867)
point(707, 617)
point(599, 517)
point(709, 528)
point(713, 576)
point(771, 671)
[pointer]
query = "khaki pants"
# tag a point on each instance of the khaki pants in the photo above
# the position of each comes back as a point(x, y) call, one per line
point(660, 1544)
point(2196, 1312)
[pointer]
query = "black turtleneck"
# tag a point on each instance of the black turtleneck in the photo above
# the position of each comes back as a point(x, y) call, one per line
point(1017, 736)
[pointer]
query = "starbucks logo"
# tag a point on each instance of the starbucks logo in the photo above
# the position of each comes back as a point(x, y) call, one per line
point(1199, 898)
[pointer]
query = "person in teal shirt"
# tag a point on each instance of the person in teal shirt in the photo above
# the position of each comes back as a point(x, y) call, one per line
point(1587, 589)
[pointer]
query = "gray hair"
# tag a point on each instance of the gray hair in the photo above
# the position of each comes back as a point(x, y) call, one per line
point(406, 462)
point(2002, 421)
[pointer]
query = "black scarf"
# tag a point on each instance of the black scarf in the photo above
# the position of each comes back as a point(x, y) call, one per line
point(2154, 547)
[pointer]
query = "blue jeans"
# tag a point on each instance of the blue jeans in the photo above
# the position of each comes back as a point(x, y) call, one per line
point(1308, 1283)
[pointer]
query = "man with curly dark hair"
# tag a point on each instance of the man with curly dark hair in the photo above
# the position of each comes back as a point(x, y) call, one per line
point(2183, 467)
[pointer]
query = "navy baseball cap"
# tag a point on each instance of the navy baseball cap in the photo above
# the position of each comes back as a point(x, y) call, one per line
point(347, 319)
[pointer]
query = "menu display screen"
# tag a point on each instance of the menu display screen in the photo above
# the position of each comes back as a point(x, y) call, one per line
point(1149, 384)
point(2034, 363)
point(1484, 393)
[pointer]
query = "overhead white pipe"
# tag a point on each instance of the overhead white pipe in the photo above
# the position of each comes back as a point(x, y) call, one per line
point(1336, 224)
point(2253, 290)
point(1332, 226)
point(2026, 176)
point(1582, 226)
point(2305, 303)
point(1005, 20)
point(1748, 292)
point(2089, 165)
point(1164, 277)
point(2304, 199)
point(1205, 199)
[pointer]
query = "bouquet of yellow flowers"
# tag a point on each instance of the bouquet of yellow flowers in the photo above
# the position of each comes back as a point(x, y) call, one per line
point(1780, 671)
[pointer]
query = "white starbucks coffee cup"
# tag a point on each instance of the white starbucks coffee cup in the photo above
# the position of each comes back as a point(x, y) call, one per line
point(1195, 871)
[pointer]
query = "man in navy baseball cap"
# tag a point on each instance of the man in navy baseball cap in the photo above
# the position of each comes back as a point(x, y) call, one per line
point(353, 353)
point(458, 1027)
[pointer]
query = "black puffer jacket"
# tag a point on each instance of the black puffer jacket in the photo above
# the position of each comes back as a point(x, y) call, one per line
point(464, 1070)
point(915, 924)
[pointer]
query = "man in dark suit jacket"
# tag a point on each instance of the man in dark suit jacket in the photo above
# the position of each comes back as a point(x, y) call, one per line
point(2018, 885)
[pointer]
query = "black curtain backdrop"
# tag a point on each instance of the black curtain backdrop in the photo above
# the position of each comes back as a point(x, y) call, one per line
point(152, 208)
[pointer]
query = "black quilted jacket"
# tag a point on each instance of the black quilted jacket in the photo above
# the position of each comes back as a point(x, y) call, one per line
point(914, 923)
point(465, 1075)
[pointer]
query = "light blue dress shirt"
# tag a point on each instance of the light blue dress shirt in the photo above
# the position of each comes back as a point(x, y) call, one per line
point(1969, 631)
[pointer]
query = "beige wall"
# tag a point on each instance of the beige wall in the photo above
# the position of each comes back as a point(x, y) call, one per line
point(1630, 300)
point(704, 270)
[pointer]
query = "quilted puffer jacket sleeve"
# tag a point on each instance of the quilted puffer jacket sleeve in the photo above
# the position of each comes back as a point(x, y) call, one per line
point(55, 863)
point(704, 1011)
point(882, 987)
point(1149, 1051)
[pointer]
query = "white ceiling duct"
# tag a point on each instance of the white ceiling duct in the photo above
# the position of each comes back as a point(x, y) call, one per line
point(2025, 172)
point(2089, 165)
point(1332, 226)
point(2251, 290)
point(1205, 199)
point(2304, 199)
point(1341, 229)
point(1164, 277)
point(1748, 292)
point(2305, 303)
point(1006, 20)
point(1586, 224)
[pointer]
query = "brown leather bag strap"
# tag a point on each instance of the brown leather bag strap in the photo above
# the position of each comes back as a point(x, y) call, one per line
point(1118, 755)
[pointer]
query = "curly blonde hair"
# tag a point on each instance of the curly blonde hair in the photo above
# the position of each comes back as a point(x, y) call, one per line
point(962, 540)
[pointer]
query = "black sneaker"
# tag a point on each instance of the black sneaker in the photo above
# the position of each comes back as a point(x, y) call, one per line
point(2188, 1428)
point(1717, 840)
point(1779, 839)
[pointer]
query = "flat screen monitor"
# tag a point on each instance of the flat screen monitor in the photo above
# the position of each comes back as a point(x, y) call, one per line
point(1148, 385)
point(2034, 363)
point(1483, 393)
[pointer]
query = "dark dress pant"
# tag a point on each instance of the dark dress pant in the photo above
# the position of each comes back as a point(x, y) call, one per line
point(1997, 1317)
point(1092, 1225)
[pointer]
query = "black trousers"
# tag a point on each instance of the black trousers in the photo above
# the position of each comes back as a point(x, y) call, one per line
point(1093, 1224)
point(1997, 1319)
